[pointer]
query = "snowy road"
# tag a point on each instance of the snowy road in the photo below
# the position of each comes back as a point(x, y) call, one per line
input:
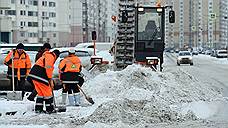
point(208, 70)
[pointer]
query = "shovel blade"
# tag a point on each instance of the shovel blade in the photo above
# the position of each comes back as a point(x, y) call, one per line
point(11, 95)
point(90, 100)
point(61, 109)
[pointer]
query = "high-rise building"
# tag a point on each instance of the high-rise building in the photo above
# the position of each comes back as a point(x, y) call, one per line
point(111, 26)
point(200, 23)
point(36, 21)
point(94, 19)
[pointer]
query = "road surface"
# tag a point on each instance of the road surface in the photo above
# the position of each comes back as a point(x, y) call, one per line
point(208, 70)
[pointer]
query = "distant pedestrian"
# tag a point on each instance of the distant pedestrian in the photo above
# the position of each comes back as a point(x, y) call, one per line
point(19, 63)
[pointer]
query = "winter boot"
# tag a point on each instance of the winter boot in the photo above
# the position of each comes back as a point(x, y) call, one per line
point(77, 98)
point(49, 105)
point(71, 100)
point(39, 105)
point(32, 96)
point(64, 97)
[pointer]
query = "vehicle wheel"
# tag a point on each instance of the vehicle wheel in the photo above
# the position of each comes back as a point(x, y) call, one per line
point(191, 63)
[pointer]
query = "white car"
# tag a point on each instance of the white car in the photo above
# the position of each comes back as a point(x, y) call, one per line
point(82, 54)
point(221, 53)
point(184, 57)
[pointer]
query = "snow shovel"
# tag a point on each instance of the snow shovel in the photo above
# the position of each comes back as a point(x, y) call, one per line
point(57, 108)
point(15, 95)
point(89, 99)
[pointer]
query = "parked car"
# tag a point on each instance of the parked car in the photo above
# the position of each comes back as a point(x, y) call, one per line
point(184, 57)
point(195, 52)
point(208, 52)
point(221, 53)
point(213, 53)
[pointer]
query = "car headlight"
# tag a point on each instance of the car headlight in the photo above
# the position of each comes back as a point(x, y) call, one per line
point(190, 58)
point(178, 58)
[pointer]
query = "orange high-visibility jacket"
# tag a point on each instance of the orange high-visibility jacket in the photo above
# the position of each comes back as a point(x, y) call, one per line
point(70, 64)
point(21, 63)
point(70, 68)
point(43, 69)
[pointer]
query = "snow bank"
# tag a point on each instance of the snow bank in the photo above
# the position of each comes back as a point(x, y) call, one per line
point(140, 95)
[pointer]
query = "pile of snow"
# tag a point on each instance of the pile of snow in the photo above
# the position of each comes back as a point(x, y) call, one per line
point(135, 96)
point(139, 95)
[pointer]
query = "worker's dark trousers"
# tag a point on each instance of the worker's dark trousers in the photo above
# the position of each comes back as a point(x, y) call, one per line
point(32, 96)
point(49, 105)
point(70, 88)
point(39, 104)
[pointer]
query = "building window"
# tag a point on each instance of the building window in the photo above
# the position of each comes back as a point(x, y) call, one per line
point(44, 34)
point(51, 4)
point(44, 14)
point(21, 23)
point(52, 14)
point(44, 3)
point(22, 1)
point(1, 11)
point(33, 34)
point(32, 13)
point(32, 24)
point(10, 12)
point(12, 1)
point(22, 34)
point(54, 34)
point(22, 12)
point(35, 2)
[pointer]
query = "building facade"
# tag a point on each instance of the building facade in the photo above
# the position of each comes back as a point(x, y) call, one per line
point(200, 23)
point(32, 21)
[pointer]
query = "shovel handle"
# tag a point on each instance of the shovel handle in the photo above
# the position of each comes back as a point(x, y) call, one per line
point(82, 91)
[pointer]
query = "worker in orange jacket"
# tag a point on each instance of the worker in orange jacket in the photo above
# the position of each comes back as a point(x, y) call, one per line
point(41, 76)
point(21, 66)
point(45, 47)
point(70, 68)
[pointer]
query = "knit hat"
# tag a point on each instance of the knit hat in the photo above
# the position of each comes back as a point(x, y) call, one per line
point(57, 52)
point(20, 46)
point(71, 51)
point(46, 45)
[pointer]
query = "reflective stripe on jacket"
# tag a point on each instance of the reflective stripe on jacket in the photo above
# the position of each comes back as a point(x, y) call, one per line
point(43, 68)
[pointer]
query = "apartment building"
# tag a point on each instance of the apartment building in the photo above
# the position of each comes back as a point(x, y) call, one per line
point(94, 19)
point(37, 21)
point(111, 26)
point(76, 22)
point(201, 23)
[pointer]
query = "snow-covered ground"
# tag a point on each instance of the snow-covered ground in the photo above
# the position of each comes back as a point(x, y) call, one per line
point(134, 97)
